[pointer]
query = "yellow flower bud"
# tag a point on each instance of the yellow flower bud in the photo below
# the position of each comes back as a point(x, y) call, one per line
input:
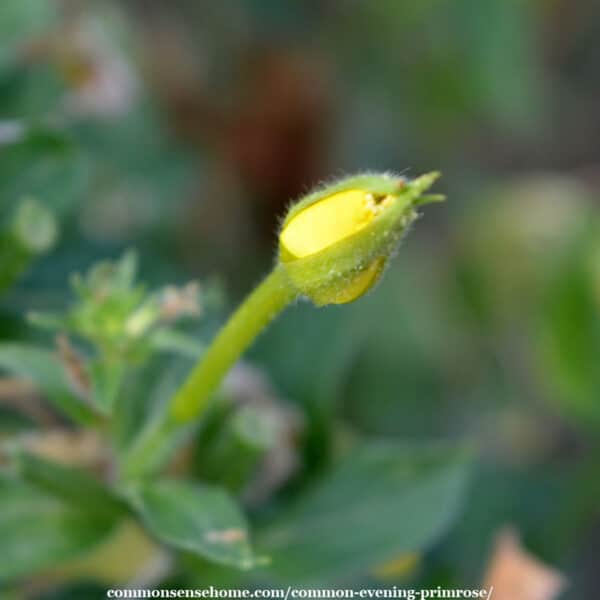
point(334, 244)
point(333, 247)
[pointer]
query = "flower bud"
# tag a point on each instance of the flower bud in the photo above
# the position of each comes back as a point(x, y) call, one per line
point(335, 243)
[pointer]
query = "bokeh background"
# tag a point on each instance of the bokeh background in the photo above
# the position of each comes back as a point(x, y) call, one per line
point(184, 128)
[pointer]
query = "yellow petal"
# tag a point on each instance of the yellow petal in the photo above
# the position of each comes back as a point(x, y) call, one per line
point(328, 221)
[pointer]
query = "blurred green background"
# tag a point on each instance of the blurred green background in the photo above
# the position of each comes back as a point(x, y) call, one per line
point(184, 128)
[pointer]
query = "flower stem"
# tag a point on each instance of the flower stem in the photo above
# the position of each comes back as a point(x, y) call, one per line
point(152, 448)
point(273, 294)
point(155, 445)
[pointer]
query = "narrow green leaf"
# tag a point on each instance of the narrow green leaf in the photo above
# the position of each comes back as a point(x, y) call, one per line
point(44, 369)
point(106, 378)
point(148, 388)
point(382, 501)
point(200, 519)
point(70, 484)
point(38, 530)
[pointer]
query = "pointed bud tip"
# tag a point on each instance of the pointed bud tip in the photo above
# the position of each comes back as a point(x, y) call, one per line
point(334, 243)
point(424, 182)
point(429, 199)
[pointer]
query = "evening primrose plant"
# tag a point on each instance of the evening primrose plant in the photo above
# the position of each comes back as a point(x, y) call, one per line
point(152, 454)
point(333, 247)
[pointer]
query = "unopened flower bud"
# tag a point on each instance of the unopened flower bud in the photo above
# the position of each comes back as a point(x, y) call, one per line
point(334, 244)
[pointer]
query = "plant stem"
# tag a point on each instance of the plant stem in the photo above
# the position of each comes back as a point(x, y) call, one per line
point(153, 448)
point(157, 443)
point(267, 300)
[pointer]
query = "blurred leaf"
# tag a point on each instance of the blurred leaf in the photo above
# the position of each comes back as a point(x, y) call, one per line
point(502, 59)
point(231, 454)
point(126, 555)
point(148, 388)
point(335, 338)
point(568, 342)
point(12, 421)
point(35, 226)
point(39, 530)
point(199, 519)
point(383, 500)
point(21, 19)
point(32, 232)
point(400, 364)
point(106, 377)
point(513, 240)
point(43, 164)
point(71, 485)
point(76, 591)
point(28, 93)
point(171, 340)
point(44, 369)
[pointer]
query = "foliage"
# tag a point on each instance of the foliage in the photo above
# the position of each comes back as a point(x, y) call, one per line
point(406, 428)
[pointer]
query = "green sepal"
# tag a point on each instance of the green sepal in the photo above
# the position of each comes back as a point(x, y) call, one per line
point(321, 276)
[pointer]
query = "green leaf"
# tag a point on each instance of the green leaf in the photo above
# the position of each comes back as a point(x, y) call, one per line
point(38, 530)
point(167, 339)
point(200, 519)
point(106, 378)
point(44, 369)
point(72, 485)
point(382, 501)
point(230, 450)
point(149, 388)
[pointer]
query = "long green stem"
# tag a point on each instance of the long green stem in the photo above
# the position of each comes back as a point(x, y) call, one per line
point(157, 443)
point(334, 272)
point(273, 294)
